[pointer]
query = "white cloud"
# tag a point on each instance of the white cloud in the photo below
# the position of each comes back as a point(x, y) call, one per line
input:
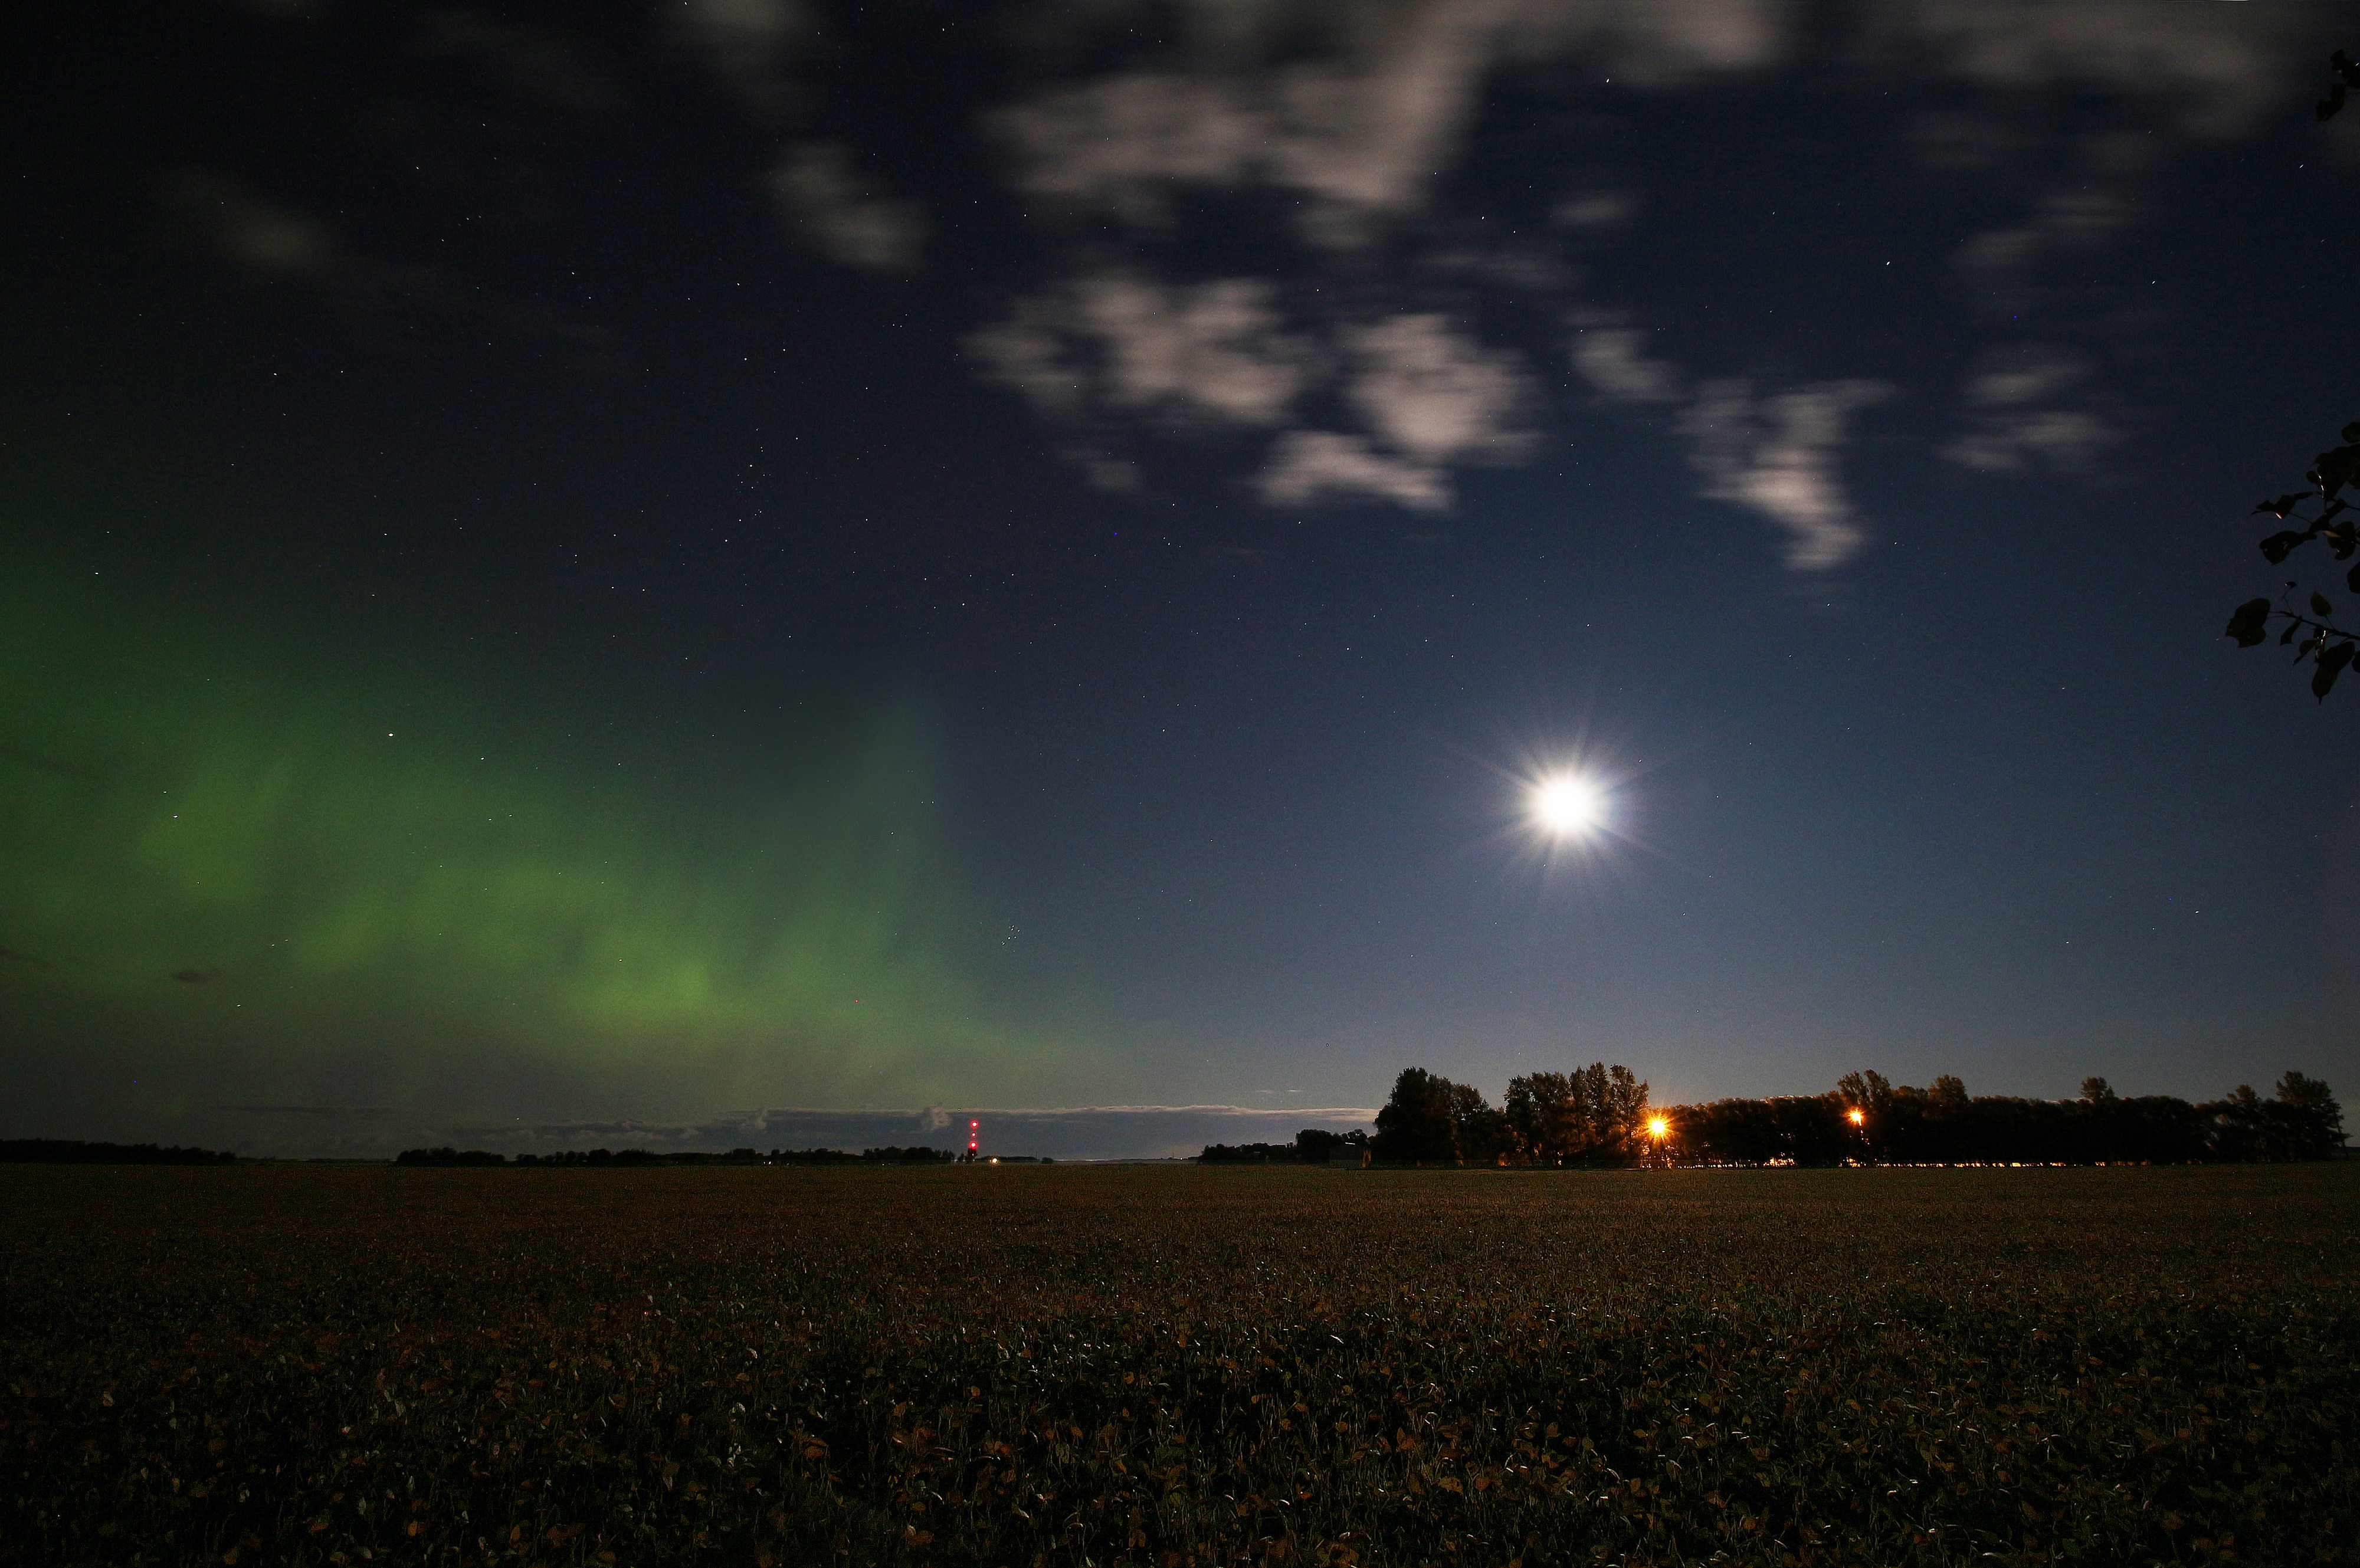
point(1437, 394)
point(1116, 346)
point(2008, 432)
point(1215, 349)
point(2074, 223)
point(2210, 67)
point(843, 214)
point(1122, 343)
point(1432, 395)
point(1307, 467)
point(2064, 439)
point(1777, 456)
point(1614, 361)
point(1362, 127)
point(1593, 210)
point(2023, 375)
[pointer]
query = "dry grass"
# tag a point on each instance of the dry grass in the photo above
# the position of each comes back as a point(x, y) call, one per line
point(1166, 1366)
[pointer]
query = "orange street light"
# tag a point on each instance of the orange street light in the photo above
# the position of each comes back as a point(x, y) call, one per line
point(1858, 1116)
point(1657, 1126)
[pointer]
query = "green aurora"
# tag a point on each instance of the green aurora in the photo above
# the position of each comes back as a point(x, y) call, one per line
point(275, 864)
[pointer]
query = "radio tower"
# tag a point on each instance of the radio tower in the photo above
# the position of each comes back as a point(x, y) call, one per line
point(973, 1136)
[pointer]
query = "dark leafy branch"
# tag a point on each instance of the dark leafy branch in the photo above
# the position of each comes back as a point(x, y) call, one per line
point(2314, 636)
point(2343, 75)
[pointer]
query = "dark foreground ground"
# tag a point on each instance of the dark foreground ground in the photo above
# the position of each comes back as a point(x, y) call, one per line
point(1161, 1366)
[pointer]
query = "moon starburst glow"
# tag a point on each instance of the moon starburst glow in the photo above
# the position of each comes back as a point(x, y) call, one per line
point(1567, 805)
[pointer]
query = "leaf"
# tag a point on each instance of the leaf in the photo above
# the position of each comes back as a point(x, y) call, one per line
point(2287, 636)
point(2331, 665)
point(2336, 469)
point(2250, 624)
point(2278, 546)
point(2319, 604)
point(2333, 105)
point(2352, 579)
point(2351, 434)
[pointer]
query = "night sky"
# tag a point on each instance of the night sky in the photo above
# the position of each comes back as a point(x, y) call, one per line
point(678, 571)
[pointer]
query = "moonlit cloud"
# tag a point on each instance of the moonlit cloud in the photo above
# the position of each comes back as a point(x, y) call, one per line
point(1614, 361)
point(2013, 424)
point(2210, 68)
point(1435, 394)
point(1221, 353)
point(1124, 343)
point(1356, 117)
point(749, 42)
point(822, 195)
point(251, 231)
point(1779, 456)
point(1593, 210)
point(1363, 127)
point(1308, 466)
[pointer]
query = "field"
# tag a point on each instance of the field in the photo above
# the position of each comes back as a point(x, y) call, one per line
point(1096, 1366)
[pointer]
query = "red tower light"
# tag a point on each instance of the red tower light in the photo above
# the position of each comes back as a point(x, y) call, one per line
point(974, 1135)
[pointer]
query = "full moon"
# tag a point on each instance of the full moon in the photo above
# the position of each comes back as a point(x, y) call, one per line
point(1567, 805)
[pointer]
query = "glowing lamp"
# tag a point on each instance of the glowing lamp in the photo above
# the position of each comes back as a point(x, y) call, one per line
point(1857, 1116)
point(1658, 1126)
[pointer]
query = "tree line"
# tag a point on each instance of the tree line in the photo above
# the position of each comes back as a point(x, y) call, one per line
point(889, 1155)
point(74, 1151)
point(1600, 1117)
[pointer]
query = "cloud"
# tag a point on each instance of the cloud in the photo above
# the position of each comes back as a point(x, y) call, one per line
point(2210, 68)
point(1307, 467)
point(1124, 343)
point(2073, 222)
point(543, 66)
point(249, 230)
point(1437, 394)
point(1362, 129)
point(749, 42)
point(1777, 456)
point(2008, 430)
point(267, 242)
point(1613, 360)
point(827, 200)
point(2023, 375)
point(1593, 210)
point(1112, 346)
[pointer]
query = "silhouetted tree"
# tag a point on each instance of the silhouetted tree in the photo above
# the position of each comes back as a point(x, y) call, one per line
point(1594, 1115)
point(74, 1151)
point(1414, 1127)
point(1317, 1146)
point(1479, 1128)
point(1246, 1153)
point(2306, 1122)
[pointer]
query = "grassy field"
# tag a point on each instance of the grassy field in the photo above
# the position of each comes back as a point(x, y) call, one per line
point(1093, 1367)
